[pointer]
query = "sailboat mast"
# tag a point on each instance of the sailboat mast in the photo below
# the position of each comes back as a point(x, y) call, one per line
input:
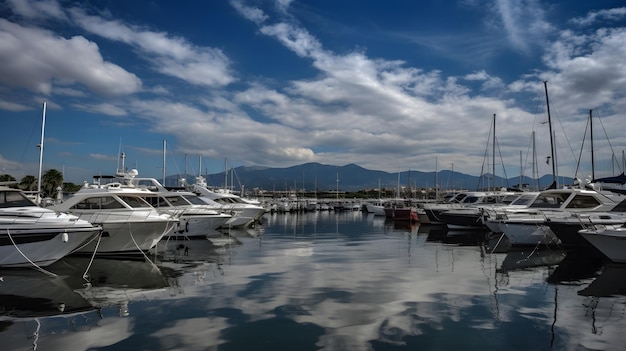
point(43, 126)
point(452, 182)
point(164, 148)
point(545, 84)
point(493, 156)
point(225, 174)
point(535, 170)
point(436, 180)
point(521, 173)
point(593, 167)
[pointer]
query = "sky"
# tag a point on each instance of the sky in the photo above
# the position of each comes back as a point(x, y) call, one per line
point(387, 85)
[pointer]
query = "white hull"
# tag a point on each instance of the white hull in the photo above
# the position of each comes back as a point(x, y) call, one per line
point(198, 226)
point(610, 240)
point(528, 234)
point(129, 237)
point(377, 210)
point(51, 248)
point(243, 216)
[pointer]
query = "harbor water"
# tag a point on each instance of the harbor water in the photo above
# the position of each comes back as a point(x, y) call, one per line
point(320, 281)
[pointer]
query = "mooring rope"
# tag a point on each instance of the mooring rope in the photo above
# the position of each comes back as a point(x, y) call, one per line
point(140, 250)
point(28, 259)
point(93, 256)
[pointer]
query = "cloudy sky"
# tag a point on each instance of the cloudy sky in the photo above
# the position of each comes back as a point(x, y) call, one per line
point(386, 85)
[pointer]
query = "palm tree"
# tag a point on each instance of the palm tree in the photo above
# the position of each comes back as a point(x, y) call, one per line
point(50, 181)
point(28, 183)
point(6, 178)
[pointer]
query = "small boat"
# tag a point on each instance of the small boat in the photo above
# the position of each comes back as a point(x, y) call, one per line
point(32, 235)
point(244, 213)
point(375, 207)
point(405, 214)
point(470, 215)
point(610, 240)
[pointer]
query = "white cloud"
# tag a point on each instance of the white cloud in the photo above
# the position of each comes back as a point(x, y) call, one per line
point(253, 14)
point(33, 9)
point(37, 60)
point(12, 106)
point(592, 17)
point(13, 168)
point(524, 22)
point(103, 108)
point(169, 55)
point(103, 157)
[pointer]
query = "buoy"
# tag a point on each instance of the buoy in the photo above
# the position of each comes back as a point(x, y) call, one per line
point(65, 237)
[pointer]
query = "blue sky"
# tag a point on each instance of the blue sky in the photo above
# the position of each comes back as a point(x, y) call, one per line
point(387, 85)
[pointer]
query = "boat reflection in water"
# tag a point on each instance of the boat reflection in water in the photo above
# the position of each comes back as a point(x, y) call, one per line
point(32, 304)
point(331, 281)
point(89, 304)
point(610, 283)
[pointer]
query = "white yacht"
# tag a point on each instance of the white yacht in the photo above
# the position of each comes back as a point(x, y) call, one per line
point(609, 239)
point(196, 217)
point(469, 212)
point(129, 224)
point(243, 212)
point(31, 235)
point(527, 226)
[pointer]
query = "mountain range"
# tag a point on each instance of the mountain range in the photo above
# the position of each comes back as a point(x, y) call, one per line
point(351, 177)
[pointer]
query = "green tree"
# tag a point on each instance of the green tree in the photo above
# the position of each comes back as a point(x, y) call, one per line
point(6, 178)
point(28, 183)
point(71, 187)
point(50, 181)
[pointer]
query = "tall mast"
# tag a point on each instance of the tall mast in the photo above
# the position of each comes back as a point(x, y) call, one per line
point(225, 174)
point(452, 182)
point(436, 180)
point(493, 156)
point(521, 173)
point(545, 84)
point(535, 170)
point(164, 148)
point(593, 167)
point(43, 126)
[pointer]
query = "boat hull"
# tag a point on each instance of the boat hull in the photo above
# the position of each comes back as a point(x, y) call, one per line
point(128, 237)
point(198, 226)
point(42, 246)
point(527, 234)
point(610, 242)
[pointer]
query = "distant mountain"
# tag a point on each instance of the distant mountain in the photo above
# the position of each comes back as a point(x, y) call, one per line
point(351, 177)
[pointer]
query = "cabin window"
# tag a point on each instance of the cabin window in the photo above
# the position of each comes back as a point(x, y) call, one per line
point(458, 198)
point(135, 201)
point(177, 201)
point(470, 200)
point(14, 199)
point(98, 203)
point(583, 201)
point(157, 201)
point(549, 200)
point(194, 200)
point(523, 200)
point(490, 200)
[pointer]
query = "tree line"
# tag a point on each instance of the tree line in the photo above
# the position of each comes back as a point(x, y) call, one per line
point(51, 180)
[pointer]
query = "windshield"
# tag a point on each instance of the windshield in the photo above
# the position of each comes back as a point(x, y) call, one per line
point(14, 199)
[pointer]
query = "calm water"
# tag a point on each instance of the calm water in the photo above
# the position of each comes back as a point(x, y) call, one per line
point(325, 281)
